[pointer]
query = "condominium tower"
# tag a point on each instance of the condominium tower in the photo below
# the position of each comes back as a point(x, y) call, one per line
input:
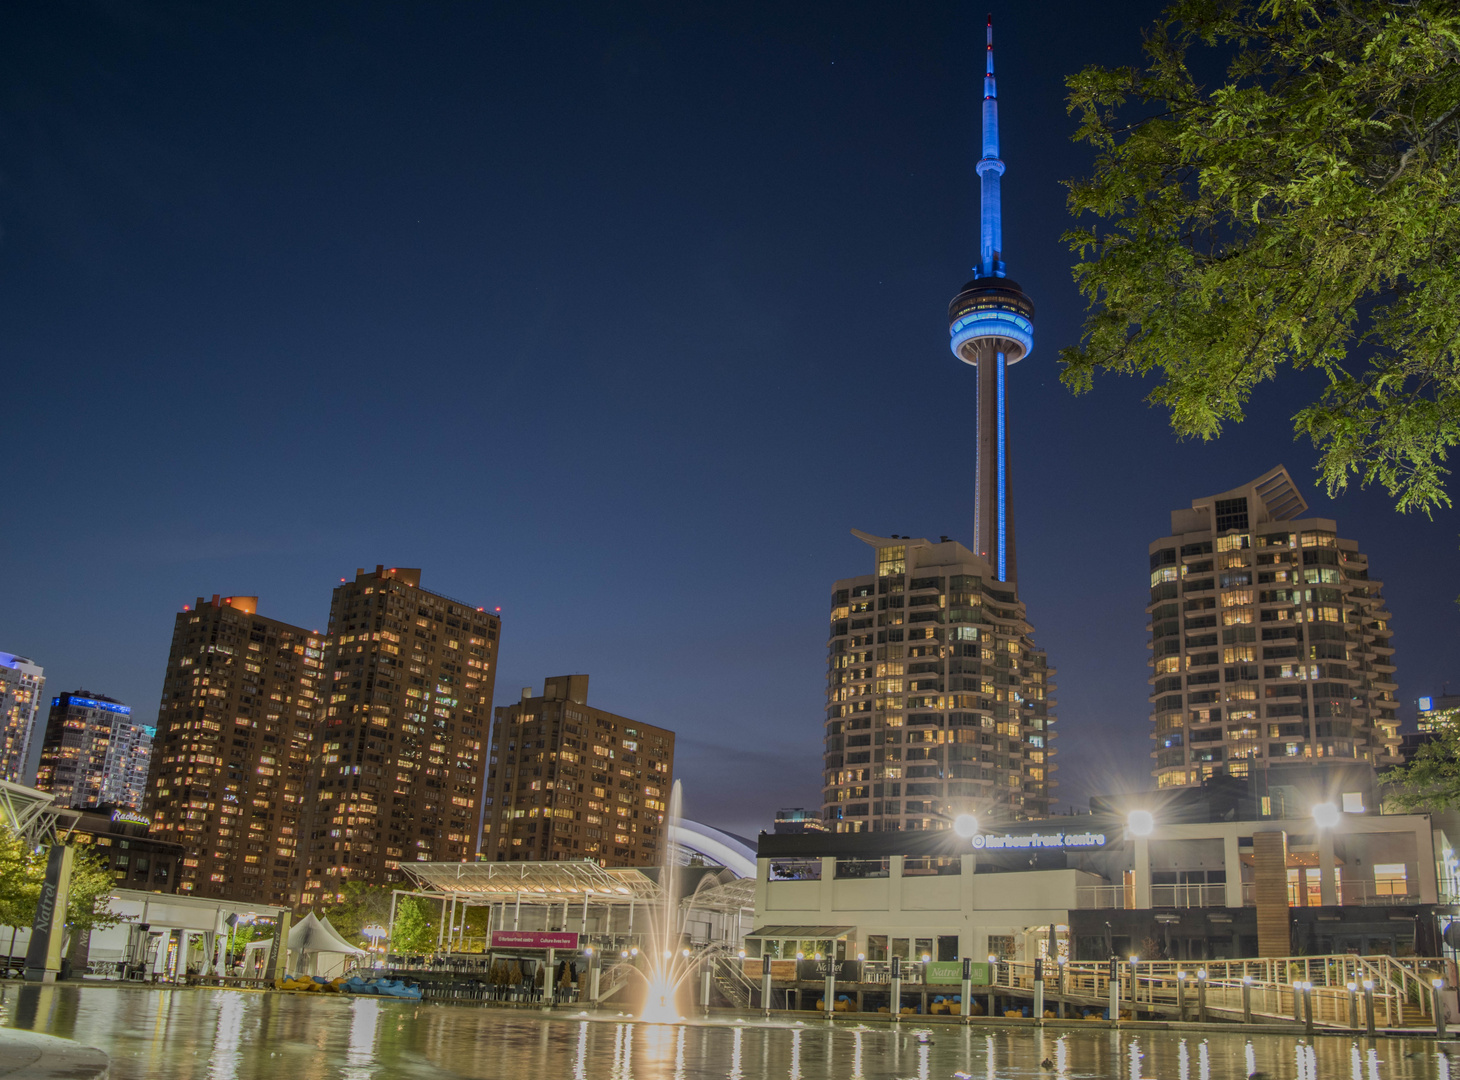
point(94, 752)
point(938, 701)
point(21, 684)
point(568, 781)
point(1270, 651)
point(401, 761)
point(235, 734)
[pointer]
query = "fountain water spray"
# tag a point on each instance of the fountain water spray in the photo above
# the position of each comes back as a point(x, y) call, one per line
point(663, 963)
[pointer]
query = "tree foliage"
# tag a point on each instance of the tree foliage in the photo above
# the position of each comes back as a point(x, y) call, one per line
point(20, 885)
point(23, 871)
point(361, 906)
point(1301, 211)
point(413, 932)
point(87, 904)
point(1431, 779)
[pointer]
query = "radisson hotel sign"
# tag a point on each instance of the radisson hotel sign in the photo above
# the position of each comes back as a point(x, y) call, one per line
point(1058, 841)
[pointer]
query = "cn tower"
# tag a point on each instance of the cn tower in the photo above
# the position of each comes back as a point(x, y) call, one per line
point(991, 324)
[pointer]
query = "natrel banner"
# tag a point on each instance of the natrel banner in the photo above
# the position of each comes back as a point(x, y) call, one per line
point(533, 939)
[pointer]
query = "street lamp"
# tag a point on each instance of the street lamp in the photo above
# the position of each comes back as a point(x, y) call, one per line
point(1141, 823)
point(966, 826)
point(1326, 815)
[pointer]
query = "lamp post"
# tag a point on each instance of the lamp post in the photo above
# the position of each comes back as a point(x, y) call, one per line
point(896, 988)
point(1039, 991)
point(1308, 1007)
point(1201, 996)
point(1247, 999)
point(1369, 1007)
point(966, 1000)
point(1353, 1004)
point(993, 981)
point(1436, 985)
point(1134, 962)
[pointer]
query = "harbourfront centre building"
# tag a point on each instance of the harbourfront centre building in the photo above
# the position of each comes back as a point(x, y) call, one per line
point(1193, 877)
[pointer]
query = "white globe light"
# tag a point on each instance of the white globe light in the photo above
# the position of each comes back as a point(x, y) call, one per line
point(1326, 815)
point(965, 825)
point(1141, 822)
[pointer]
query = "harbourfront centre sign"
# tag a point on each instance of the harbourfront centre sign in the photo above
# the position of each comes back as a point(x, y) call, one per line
point(1059, 841)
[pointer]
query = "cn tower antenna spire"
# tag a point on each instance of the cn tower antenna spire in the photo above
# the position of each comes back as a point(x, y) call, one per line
point(991, 328)
point(990, 169)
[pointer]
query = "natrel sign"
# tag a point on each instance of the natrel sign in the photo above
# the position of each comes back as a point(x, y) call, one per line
point(533, 939)
point(1059, 840)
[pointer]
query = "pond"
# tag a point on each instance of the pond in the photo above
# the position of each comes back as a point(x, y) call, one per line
point(196, 1034)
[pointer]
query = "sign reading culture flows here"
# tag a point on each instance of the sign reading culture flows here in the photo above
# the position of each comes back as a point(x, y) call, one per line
point(533, 939)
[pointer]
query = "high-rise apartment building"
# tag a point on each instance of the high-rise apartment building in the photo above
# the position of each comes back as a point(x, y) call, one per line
point(569, 781)
point(21, 684)
point(235, 735)
point(938, 701)
point(401, 761)
point(1270, 651)
point(94, 753)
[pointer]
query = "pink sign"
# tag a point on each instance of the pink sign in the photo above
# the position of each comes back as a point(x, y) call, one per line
point(533, 939)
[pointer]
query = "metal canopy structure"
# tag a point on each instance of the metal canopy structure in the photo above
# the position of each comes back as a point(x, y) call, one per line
point(732, 896)
point(32, 815)
point(534, 882)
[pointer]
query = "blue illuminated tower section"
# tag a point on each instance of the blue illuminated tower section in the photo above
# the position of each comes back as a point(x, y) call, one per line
point(991, 324)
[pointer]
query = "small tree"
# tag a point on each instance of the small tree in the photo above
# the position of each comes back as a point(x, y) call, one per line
point(362, 905)
point(20, 885)
point(88, 905)
point(412, 932)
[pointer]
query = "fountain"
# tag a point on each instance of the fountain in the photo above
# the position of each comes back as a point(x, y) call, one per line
point(663, 964)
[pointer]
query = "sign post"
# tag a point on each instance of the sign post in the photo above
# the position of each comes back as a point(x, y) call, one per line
point(967, 997)
point(829, 994)
point(705, 974)
point(765, 984)
point(43, 955)
point(1039, 990)
point(897, 988)
point(277, 967)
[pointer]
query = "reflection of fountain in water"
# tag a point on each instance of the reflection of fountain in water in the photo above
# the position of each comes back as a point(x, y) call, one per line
point(663, 964)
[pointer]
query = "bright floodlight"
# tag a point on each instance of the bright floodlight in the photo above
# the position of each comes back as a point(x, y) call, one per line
point(1141, 822)
point(965, 825)
point(1326, 815)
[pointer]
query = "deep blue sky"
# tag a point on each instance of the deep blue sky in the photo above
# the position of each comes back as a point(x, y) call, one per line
point(617, 316)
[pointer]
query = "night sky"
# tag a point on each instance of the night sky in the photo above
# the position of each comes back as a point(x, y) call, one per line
point(616, 316)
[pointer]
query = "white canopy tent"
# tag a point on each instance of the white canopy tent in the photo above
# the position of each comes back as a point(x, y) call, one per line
point(316, 948)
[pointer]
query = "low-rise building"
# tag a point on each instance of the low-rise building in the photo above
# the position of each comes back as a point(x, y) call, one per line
point(1179, 880)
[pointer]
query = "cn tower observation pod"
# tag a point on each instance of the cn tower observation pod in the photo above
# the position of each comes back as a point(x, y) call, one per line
point(993, 310)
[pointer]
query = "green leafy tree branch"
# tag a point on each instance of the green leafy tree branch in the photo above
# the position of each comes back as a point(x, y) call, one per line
point(1303, 212)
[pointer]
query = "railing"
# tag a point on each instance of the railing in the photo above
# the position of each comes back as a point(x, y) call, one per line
point(1188, 896)
point(1401, 987)
point(1104, 896)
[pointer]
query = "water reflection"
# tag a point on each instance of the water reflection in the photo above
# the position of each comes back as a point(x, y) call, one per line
point(360, 1057)
point(226, 1054)
point(222, 1035)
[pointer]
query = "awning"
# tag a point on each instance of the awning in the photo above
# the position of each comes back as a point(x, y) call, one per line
point(534, 882)
point(801, 931)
